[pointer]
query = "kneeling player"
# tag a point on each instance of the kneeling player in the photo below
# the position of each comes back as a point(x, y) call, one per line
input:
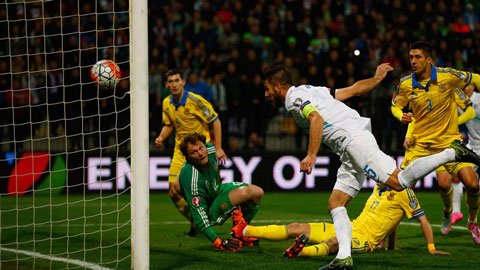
point(380, 217)
point(210, 201)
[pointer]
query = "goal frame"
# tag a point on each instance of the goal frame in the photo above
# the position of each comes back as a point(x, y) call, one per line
point(139, 134)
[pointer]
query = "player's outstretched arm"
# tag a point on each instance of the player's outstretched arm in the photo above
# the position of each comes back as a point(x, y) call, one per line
point(428, 233)
point(315, 139)
point(363, 86)
point(217, 132)
point(392, 240)
point(164, 134)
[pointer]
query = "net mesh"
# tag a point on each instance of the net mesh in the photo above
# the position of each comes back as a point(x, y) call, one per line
point(58, 207)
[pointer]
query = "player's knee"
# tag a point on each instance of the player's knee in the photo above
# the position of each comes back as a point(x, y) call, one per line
point(257, 193)
point(295, 229)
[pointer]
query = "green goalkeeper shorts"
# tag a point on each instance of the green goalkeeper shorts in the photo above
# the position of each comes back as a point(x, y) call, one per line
point(221, 208)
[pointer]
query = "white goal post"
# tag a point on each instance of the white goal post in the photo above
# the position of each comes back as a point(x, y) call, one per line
point(139, 130)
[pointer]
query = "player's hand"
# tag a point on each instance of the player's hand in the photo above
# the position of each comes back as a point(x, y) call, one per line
point(159, 142)
point(221, 156)
point(231, 244)
point(382, 70)
point(307, 164)
point(439, 252)
point(408, 142)
point(407, 118)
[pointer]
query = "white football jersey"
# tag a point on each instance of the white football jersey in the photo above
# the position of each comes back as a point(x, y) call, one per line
point(341, 123)
point(473, 125)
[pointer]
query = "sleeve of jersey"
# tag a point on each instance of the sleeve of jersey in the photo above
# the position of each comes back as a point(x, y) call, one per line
point(410, 204)
point(196, 201)
point(204, 109)
point(460, 78)
point(165, 118)
point(399, 101)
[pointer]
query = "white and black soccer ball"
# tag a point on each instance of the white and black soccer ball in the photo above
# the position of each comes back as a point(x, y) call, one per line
point(105, 73)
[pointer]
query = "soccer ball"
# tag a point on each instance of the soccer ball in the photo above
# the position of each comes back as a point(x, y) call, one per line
point(105, 73)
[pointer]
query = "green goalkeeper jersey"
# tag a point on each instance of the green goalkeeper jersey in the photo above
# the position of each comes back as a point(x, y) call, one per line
point(201, 185)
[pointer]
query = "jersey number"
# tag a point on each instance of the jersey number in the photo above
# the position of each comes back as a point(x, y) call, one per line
point(374, 205)
point(370, 172)
point(429, 107)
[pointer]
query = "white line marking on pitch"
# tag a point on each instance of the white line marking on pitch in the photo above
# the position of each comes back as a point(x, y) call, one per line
point(58, 259)
point(285, 221)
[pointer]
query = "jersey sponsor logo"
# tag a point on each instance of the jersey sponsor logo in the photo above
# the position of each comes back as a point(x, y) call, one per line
point(297, 102)
point(305, 104)
point(413, 204)
point(206, 112)
point(196, 201)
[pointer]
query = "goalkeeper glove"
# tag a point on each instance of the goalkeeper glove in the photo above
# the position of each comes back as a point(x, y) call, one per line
point(233, 244)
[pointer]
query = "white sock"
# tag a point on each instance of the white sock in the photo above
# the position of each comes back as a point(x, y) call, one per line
point(343, 231)
point(457, 196)
point(423, 166)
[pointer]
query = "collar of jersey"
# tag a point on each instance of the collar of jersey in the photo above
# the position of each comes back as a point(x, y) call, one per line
point(433, 77)
point(380, 190)
point(182, 101)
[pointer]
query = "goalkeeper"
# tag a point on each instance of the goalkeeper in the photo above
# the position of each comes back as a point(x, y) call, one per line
point(210, 201)
point(379, 219)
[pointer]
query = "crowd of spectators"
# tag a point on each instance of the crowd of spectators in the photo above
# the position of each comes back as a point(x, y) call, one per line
point(47, 48)
point(225, 45)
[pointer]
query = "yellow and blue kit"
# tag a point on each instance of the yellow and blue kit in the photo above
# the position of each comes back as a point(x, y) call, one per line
point(192, 114)
point(433, 105)
point(382, 213)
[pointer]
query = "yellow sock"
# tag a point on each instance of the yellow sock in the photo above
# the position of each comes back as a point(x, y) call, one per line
point(182, 207)
point(473, 201)
point(447, 200)
point(269, 232)
point(315, 250)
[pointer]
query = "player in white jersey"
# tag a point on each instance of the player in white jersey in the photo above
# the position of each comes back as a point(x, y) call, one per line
point(473, 127)
point(320, 113)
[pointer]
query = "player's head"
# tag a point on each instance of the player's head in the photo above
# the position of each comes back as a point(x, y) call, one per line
point(174, 81)
point(420, 56)
point(194, 149)
point(277, 81)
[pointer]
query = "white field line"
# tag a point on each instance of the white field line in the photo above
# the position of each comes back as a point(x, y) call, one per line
point(286, 221)
point(261, 221)
point(58, 259)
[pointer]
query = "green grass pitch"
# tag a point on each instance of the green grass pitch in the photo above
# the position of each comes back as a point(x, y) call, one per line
point(170, 248)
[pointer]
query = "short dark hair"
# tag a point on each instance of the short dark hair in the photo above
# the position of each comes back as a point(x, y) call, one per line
point(191, 139)
point(424, 46)
point(277, 73)
point(172, 72)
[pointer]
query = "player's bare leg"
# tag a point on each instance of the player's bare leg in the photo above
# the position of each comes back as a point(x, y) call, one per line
point(444, 180)
point(469, 178)
point(181, 205)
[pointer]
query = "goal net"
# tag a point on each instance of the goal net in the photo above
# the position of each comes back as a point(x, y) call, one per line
point(65, 174)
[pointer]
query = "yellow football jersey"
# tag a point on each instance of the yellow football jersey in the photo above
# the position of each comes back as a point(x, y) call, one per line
point(192, 114)
point(434, 105)
point(383, 211)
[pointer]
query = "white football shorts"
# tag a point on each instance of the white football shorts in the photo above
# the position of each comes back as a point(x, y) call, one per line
point(363, 158)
